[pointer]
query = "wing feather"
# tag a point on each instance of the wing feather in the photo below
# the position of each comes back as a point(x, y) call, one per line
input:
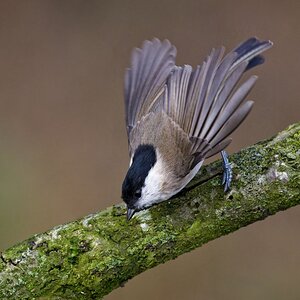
point(145, 79)
point(177, 93)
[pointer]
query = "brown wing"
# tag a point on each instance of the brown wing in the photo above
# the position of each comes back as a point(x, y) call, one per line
point(145, 79)
point(206, 103)
point(158, 129)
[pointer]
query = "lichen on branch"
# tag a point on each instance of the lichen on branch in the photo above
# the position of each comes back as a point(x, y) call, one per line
point(90, 257)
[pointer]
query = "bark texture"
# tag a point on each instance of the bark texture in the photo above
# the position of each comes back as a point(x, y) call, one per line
point(90, 257)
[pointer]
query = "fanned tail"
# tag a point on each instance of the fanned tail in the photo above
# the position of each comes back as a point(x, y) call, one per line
point(207, 103)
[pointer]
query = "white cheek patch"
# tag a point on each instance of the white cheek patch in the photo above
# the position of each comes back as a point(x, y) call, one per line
point(152, 193)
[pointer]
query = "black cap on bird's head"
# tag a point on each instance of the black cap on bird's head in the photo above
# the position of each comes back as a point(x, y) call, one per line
point(143, 160)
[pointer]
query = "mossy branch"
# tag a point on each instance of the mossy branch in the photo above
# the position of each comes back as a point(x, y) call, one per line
point(88, 258)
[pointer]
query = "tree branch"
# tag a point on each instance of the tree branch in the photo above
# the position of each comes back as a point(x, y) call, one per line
point(88, 258)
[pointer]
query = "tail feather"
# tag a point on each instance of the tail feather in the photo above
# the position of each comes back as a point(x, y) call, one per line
point(223, 96)
point(206, 103)
point(216, 57)
point(231, 106)
point(233, 122)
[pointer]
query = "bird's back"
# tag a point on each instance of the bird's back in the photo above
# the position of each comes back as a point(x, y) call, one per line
point(170, 141)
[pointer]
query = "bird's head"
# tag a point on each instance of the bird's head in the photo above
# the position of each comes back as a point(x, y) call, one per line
point(143, 182)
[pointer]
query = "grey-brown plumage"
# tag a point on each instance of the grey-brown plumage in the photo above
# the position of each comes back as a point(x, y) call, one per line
point(186, 115)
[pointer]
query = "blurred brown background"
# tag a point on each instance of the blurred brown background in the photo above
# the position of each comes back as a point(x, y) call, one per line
point(63, 149)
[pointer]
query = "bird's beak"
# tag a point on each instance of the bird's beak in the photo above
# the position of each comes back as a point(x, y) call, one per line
point(130, 213)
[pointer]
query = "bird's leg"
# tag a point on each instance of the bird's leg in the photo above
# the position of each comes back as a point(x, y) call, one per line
point(227, 176)
point(227, 171)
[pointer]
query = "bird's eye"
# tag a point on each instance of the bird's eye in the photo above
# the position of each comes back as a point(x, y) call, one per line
point(138, 193)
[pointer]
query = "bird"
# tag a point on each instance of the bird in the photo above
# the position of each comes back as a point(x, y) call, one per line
point(177, 116)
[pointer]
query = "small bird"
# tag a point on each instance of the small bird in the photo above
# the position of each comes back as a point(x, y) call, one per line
point(177, 116)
